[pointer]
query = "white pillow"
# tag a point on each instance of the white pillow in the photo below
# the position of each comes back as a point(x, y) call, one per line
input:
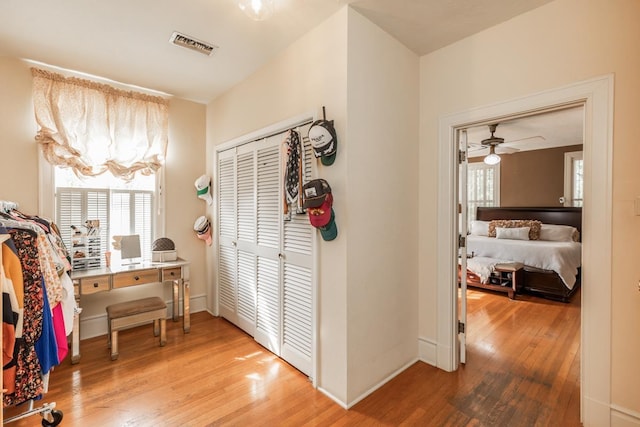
point(558, 233)
point(514, 233)
point(479, 228)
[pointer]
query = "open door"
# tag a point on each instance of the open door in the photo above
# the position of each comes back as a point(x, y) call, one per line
point(462, 243)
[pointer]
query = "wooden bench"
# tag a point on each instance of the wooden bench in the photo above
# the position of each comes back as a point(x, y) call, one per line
point(130, 313)
point(506, 277)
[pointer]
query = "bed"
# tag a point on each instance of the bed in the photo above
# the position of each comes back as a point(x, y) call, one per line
point(551, 253)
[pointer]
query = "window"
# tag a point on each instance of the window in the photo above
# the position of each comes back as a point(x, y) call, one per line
point(483, 187)
point(121, 207)
point(573, 178)
point(116, 139)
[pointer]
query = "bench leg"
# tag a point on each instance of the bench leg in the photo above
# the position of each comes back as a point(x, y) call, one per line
point(163, 332)
point(156, 327)
point(114, 345)
point(108, 333)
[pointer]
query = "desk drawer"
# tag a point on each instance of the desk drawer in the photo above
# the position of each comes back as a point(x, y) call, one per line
point(91, 285)
point(171, 273)
point(133, 278)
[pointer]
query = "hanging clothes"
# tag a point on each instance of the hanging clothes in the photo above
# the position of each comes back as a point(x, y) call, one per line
point(292, 148)
point(10, 317)
point(38, 304)
point(12, 284)
point(28, 378)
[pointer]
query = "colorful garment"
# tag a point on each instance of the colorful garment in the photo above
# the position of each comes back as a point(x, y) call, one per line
point(28, 379)
point(293, 172)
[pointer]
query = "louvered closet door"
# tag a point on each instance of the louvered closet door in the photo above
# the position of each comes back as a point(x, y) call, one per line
point(237, 236)
point(265, 272)
point(246, 237)
point(268, 217)
point(297, 283)
point(227, 251)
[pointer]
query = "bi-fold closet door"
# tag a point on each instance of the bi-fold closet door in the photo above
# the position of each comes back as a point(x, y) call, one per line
point(265, 263)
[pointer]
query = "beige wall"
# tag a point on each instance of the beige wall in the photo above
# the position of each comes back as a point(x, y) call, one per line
point(552, 46)
point(368, 275)
point(18, 148)
point(381, 212)
point(184, 163)
point(532, 178)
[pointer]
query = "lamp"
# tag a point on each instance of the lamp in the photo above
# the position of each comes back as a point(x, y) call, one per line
point(258, 10)
point(492, 158)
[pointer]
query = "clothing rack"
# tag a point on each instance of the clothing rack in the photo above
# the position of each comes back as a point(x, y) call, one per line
point(50, 416)
point(27, 324)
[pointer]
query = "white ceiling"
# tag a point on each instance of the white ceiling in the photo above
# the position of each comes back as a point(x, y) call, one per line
point(547, 130)
point(127, 41)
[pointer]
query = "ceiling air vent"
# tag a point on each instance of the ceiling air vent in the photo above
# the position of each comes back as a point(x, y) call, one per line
point(189, 42)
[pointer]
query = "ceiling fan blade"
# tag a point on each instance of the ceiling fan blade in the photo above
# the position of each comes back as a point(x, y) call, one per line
point(506, 150)
point(528, 139)
point(475, 147)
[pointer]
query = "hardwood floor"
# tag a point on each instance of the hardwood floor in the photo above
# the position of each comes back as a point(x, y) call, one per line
point(522, 370)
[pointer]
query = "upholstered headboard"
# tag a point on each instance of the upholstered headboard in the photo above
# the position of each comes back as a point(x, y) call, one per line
point(551, 215)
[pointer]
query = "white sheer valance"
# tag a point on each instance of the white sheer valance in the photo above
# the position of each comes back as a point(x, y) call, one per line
point(93, 128)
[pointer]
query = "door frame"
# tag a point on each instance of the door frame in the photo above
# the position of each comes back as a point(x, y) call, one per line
point(597, 97)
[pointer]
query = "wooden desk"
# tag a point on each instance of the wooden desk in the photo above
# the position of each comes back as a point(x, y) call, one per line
point(87, 282)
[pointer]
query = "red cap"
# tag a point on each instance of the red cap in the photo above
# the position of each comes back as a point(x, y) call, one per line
point(321, 215)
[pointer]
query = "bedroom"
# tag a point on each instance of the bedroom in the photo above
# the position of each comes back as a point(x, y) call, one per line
point(539, 165)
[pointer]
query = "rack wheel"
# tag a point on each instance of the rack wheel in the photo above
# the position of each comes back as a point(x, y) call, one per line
point(57, 418)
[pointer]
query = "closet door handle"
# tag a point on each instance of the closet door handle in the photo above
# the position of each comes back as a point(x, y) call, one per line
point(281, 256)
point(234, 243)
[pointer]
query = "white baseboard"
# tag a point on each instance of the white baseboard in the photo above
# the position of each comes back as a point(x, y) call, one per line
point(623, 417)
point(428, 351)
point(369, 391)
point(95, 326)
point(595, 412)
point(435, 354)
point(334, 398)
point(380, 384)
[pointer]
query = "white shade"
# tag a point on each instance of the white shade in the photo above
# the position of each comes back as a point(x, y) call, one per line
point(258, 10)
point(492, 159)
point(93, 128)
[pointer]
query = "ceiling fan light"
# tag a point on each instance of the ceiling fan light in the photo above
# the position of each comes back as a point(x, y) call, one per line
point(492, 159)
point(258, 10)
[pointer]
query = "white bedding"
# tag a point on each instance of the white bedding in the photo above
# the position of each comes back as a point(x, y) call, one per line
point(562, 257)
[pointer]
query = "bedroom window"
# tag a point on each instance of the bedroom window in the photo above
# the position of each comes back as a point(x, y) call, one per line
point(573, 178)
point(483, 187)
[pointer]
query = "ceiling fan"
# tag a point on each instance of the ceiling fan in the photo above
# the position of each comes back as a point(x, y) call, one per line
point(492, 146)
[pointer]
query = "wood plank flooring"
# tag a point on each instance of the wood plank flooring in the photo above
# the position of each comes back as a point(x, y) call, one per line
point(522, 369)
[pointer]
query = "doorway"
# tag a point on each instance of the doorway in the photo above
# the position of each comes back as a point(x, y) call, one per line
point(596, 96)
point(519, 163)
